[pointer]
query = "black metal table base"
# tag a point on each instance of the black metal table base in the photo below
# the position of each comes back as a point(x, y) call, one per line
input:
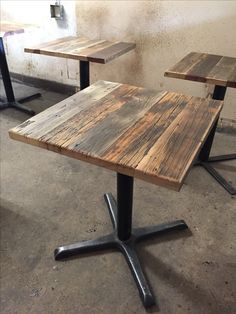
point(11, 102)
point(17, 104)
point(126, 247)
point(215, 174)
point(221, 158)
point(204, 157)
point(84, 74)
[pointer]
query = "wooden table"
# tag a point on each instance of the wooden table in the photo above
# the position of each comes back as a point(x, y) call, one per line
point(136, 132)
point(211, 69)
point(7, 29)
point(84, 50)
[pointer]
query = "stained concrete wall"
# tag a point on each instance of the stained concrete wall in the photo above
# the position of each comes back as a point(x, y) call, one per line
point(164, 32)
point(40, 28)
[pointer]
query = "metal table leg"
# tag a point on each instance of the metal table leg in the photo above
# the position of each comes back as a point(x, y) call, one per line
point(84, 74)
point(11, 101)
point(204, 156)
point(123, 238)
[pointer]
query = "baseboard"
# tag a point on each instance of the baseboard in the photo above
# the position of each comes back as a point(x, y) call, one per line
point(226, 126)
point(45, 84)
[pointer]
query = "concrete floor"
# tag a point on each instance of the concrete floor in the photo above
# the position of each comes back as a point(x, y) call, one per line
point(49, 200)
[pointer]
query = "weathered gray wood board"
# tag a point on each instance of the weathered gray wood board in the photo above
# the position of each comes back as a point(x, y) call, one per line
point(205, 68)
point(154, 136)
point(84, 49)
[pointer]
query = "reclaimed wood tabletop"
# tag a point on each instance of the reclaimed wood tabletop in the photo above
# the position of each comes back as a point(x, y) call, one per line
point(83, 49)
point(10, 28)
point(205, 68)
point(154, 136)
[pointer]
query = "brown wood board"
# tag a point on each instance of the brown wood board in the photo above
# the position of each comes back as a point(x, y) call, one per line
point(205, 68)
point(8, 28)
point(80, 48)
point(154, 136)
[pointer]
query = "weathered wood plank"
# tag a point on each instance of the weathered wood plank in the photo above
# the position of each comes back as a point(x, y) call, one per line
point(222, 71)
point(74, 49)
point(81, 48)
point(205, 68)
point(139, 138)
point(185, 64)
point(74, 46)
point(201, 69)
point(48, 44)
point(97, 139)
point(90, 50)
point(108, 54)
point(64, 110)
point(135, 131)
point(68, 47)
point(81, 123)
point(175, 151)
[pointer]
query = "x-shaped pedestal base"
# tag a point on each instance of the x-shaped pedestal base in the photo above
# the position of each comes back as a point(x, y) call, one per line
point(205, 160)
point(11, 101)
point(210, 169)
point(127, 248)
point(17, 104)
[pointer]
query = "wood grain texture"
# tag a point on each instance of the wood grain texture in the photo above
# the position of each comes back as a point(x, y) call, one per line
point(8, 28)
point(80, 48)
point(154, 136)
point(205, 68)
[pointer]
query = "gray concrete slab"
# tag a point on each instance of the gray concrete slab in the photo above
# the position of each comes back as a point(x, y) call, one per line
point(48, 200)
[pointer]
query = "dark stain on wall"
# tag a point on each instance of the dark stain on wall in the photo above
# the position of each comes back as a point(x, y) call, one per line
point(95, 17)
point(30, 66)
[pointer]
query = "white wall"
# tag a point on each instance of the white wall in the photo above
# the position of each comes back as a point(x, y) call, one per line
point(164, 32)
point(40, 28)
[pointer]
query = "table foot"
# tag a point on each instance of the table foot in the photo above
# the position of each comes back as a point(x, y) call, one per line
point(4, 105)
point(22, 108)
point(148, 232)
point(132, 259)
point(105, 242)
point(29, 98)
point(127, 247)
point(18, 104)
point(227, 186)
point(221, 158)
point(112, 208)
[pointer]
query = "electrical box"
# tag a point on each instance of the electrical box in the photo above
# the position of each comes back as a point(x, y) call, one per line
point(56, 10)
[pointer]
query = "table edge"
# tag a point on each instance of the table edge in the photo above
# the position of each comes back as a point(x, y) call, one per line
point(160, 181)
point(78, 57)
point(199, 79)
